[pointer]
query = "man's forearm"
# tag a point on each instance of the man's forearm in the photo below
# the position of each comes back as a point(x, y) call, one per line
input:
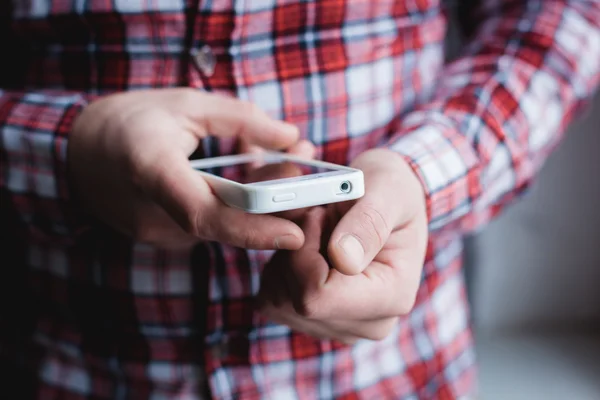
point(501, 107)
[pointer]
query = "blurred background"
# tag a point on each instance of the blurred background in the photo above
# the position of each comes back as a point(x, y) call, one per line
point(534, 277)
point(534, 281)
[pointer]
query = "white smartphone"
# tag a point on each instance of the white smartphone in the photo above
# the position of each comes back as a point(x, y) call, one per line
point(271, 182)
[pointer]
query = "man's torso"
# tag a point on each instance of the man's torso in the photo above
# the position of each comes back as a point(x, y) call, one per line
point(124, 320)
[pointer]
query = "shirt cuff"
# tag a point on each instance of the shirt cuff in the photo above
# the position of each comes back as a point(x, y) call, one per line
point(35, 129)
point(76, 220)
point(445, 163)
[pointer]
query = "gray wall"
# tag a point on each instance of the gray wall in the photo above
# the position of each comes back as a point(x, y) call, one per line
point(539, 263)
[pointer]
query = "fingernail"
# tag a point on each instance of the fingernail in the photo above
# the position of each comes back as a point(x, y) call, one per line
point(287, 242)
point(309, 148)
point(353, 249)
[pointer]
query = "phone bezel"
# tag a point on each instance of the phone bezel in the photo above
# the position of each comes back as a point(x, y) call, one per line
point(259, 197)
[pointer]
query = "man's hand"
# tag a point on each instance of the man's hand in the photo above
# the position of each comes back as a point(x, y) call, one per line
point(128, 162)
point(376, 250)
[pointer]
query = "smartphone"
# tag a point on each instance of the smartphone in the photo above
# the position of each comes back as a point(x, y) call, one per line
point(261, 183)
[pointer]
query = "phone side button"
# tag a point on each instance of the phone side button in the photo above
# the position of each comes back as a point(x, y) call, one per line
point(280, 198)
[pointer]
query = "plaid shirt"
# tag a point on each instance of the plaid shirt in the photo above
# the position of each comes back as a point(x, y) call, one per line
point(92, 315)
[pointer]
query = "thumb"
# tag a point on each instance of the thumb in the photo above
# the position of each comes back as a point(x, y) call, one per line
point(188, 199)
point(359, 236)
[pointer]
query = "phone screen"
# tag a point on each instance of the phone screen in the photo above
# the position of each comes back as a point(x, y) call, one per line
point(266, 169)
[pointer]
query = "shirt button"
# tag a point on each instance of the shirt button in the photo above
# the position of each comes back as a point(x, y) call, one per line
point(205, 60)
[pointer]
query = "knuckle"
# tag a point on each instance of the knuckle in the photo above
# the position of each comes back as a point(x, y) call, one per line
point(309, 306)
point(373, 223)
point(188, 95)
point(143, 231)
point(252, 238)
point(209, 225)
point(251, 109)
point(194, 223)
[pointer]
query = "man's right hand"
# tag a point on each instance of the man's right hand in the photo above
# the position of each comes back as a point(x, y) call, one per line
point(128, 165)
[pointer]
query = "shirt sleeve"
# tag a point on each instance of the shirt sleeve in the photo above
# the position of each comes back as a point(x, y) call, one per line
point(501, 107)
point(34, 130)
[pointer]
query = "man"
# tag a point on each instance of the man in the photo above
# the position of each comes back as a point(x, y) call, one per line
point(126, 278)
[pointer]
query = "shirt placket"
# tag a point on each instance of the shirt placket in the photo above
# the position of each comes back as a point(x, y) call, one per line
point(204, 60)
point(210, 68)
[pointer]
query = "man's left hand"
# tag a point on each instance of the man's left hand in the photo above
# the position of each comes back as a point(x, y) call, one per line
point(354, 280)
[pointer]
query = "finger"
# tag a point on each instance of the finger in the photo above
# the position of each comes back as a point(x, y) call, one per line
point(188, 199)
point(272, 292)
point(313, 223)
point(275, 303)
point(307, 269)
point(294, 215)
point(251, 231)
point(274, 171)
point(347, 331)
point(376, 329)
point(153, 225)
point(387, 287)
point(381, 291)
point(278, 171)
point(361, 233)
point(303, 149)
point(228, 117)
point(285, 315)
point(247, 148)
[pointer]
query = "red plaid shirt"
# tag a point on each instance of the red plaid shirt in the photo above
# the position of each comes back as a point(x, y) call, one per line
point(89, 314)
